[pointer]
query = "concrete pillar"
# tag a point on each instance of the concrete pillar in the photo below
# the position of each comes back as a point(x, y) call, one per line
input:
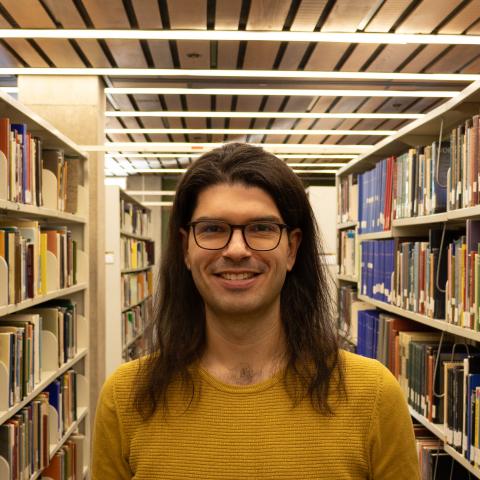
point(75, 105)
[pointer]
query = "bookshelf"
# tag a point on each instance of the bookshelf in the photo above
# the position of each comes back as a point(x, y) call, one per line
point(129, 262)
point(47, 278)
point(413, 144)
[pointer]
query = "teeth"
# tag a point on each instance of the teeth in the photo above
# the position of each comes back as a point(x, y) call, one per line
point(236, 276)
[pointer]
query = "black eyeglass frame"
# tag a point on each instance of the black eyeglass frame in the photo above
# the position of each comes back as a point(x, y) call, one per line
point(241, 227)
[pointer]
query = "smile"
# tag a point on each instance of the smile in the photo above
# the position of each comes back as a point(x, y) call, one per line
point(238, 276)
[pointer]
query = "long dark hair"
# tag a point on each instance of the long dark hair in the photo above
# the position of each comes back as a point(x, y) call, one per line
point(177, 339)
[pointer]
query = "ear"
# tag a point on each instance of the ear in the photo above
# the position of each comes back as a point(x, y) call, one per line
point(184, 239)
point(294, 240)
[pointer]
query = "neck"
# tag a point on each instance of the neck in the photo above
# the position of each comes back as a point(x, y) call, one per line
point(244, 350)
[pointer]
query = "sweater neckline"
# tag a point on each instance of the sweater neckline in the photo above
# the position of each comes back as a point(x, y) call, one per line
point(241, 389)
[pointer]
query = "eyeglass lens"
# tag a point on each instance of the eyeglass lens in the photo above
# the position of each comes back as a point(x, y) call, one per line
point(257, 235)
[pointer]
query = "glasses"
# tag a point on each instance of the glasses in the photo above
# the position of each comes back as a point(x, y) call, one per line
point(216, 235)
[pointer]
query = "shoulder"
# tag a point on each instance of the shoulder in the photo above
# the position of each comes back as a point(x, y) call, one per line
point(119, 386)
point(366, 376)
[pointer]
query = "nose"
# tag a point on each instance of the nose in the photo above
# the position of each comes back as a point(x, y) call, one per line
point(237, 248)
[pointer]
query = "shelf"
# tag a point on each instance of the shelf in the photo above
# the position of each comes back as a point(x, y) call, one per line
point(133, 235)
point(347, 278)
point(135, 304)
point(81, 414)
point(434, 323)
point(345, 225)
point(39, 212)
point(375, 235)
point(450, 112)
point(462, 460)
point(436, 428)
point(134, 270)
point(37, 126)
point(47, 378)
point(425, 219)
point(31, 302)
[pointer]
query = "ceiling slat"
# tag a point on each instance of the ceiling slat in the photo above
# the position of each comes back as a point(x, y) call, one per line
point(185, 14)
point(346, 15)
point(268, 14)
point(427, 16)
point(227, 13)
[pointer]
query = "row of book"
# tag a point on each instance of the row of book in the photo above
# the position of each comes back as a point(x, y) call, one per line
point(135, 320)
point(438, 276)
point(136, 287)
point(68, 462)
point(25, 165)
point(21, 345)
point(440, 379)
point(134, 218)
point(26, 438)
point(375, 197)
point(136, 253)
point(425, 180)
point(24, 264)
point(347, 252)
point(435, 463)
point(377, 267)
point(347, 199)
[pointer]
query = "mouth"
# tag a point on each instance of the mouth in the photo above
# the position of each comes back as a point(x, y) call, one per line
point(237, 276)
point(237, 281)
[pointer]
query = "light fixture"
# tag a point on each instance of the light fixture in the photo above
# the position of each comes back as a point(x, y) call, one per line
point(9, 89)
point(214, 73)
point(281, 92)
point(183, 170)
point(157, 204)
point(187, 155)
point(151, 192)
point(307, 115)
point(245, 131)
point(244, 35)
point(171, 147)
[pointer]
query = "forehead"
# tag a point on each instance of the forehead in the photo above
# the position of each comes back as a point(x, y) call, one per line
point(228, 201)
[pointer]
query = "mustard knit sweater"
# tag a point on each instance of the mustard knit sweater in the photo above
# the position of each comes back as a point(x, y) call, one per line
point(252, 432)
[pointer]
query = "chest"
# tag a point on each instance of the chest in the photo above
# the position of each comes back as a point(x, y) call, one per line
point(239, 440)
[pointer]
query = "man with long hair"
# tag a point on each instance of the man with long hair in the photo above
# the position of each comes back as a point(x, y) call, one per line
point(244, 377)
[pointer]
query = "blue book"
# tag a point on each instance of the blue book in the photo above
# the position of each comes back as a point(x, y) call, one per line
point(55, 399)
point(21, 130)
point(473, 381)
point(440, 174)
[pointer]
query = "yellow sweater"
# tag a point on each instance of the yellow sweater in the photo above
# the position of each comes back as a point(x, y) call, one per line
point(252, 432)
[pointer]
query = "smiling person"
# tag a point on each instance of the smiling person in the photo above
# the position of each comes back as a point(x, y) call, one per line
point(244, 377)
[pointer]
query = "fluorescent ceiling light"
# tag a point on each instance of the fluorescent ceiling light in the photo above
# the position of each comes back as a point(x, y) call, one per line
point(157, 204)
point(245, 131)
point(188, 155)
point(308, 92)
point(237, 35)
point(183, 170)
point(315, 165)
point(150, 192)
point(171, 147)
point(400, 116)
point(9, 89)
point(177, 72)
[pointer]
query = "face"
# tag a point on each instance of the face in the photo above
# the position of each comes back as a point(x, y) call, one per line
point(237, 280)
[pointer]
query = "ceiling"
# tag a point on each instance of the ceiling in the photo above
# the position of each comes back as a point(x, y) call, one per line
point(381, 16)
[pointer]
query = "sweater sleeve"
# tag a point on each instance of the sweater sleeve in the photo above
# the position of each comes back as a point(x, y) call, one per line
point(393, 454)
point(109, 460)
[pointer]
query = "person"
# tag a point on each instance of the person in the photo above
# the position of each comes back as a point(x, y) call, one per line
point(244, 377)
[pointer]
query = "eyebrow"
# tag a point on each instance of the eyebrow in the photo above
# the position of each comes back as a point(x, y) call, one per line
point(268, 218)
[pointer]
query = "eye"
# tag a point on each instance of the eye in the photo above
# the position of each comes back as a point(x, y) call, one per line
point(205, 228)
point(263, 227)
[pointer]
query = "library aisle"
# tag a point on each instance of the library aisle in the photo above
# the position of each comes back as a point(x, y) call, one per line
point(105, 104)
